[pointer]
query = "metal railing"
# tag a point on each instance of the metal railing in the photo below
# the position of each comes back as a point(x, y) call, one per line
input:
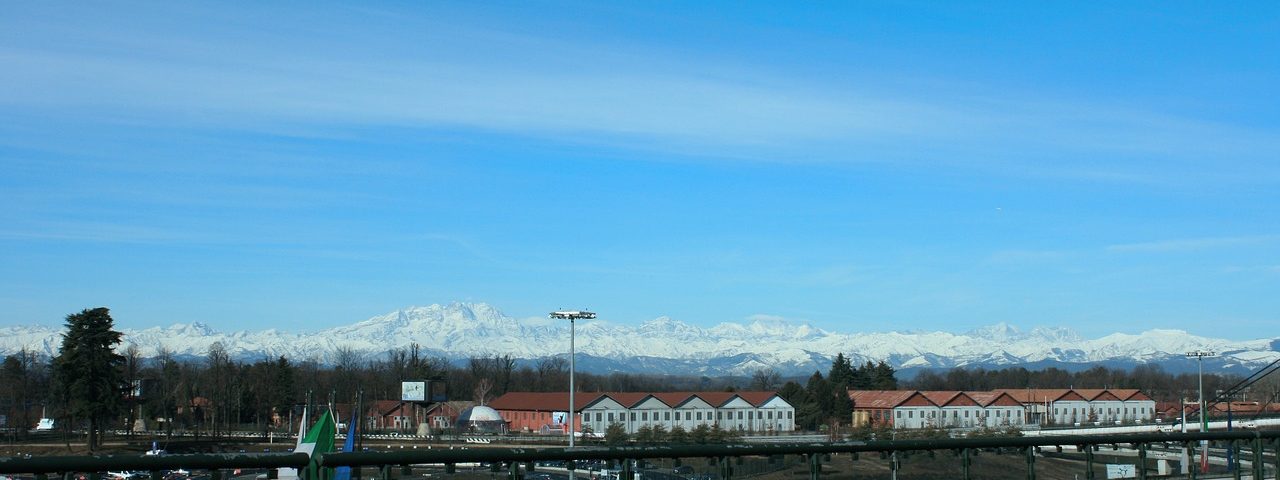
point(1261, 448)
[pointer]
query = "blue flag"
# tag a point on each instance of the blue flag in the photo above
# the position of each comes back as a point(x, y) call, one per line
point(344, 473)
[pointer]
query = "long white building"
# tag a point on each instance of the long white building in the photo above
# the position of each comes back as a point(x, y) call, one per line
point(1085, 406)
point(758, 412)
point(1002, 408)
point(936, 409)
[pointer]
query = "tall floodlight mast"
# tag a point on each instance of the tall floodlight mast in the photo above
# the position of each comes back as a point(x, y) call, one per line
point(1204, 420)
point(572, 315)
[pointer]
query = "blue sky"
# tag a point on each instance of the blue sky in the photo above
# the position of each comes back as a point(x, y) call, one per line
point(860, 166)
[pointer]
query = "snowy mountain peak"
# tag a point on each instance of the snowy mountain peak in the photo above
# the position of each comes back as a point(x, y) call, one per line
point(1055, 334)
point(194, 328)
point(1000, 332)
point(768, 327)
point(665, 325)
point(460, 330)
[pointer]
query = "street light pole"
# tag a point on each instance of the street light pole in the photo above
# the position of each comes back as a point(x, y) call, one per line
point(572, 315)
point(1204, 419)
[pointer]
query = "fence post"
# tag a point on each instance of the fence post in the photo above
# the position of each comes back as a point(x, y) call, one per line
point(815, 466)
point(1276, 456)
point(1194, 466)
point(1259, 464)
point(1088, 462)
point(1233, 455)
point(1031, 463)
point(966, 459)
point(1142, 461)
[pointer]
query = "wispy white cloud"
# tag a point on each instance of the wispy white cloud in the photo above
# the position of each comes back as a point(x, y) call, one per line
point(1192, 244)
point(621, 95)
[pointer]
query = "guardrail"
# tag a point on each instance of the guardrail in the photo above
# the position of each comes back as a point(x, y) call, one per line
point(512, 461)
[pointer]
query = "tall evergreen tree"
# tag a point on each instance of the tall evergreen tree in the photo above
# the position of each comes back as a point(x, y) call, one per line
point(883, 377)
point(89, 371)
point(841, 378)
point(842, 372)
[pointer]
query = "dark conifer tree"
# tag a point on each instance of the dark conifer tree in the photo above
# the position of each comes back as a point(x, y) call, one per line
point(89, 371)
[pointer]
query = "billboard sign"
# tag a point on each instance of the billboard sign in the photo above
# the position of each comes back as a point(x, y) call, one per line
point(413, 391)
point(1121, 471)
point(558, 418)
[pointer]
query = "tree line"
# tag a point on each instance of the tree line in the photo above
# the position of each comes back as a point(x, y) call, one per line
point(95, 382)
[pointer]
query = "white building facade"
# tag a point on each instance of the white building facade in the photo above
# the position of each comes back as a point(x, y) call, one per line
point(745, 412)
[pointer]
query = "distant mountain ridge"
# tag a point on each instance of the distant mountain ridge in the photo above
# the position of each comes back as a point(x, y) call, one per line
point(462, 330)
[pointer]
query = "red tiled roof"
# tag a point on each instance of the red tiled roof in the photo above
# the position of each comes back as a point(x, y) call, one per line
point(757, 398)
point(1035, 395)
point(543, 401)
point(988, 399)
point(863, 399)
point(1040, 395)
point(1130, 394)
point(941, 398)
point(557, 401)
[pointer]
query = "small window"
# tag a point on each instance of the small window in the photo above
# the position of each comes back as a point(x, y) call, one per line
point(688, 415)
point(699, 415)
point(644, 416)
point(899, 413)
point(668, 415)
point(739, 414)
point(633, 416)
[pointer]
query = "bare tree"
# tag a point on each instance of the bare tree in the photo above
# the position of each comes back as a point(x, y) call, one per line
point(133, 380)
point(219, 385)
point(348, 371)
point(765, 380)
point(552, 374)
point(481, 391)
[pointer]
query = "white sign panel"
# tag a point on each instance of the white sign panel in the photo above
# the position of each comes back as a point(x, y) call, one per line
point(558, 418)
point(1121, 471)
point(413, 391)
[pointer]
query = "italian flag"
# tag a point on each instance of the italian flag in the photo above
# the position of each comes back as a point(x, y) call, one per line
point(318, 440)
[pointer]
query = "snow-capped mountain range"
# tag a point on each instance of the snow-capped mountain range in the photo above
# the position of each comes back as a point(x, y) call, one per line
point(665, 345)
